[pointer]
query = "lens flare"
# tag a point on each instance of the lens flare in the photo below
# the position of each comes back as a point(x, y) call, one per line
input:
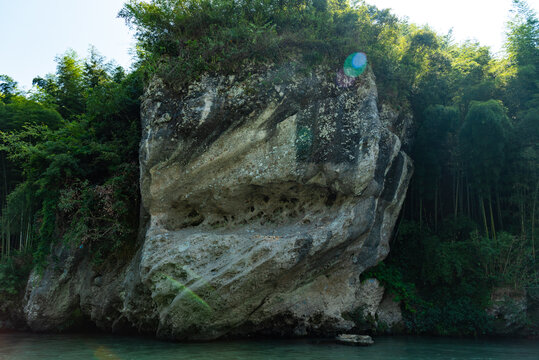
point(355, 64)
point(188, 292)
point(102, 353)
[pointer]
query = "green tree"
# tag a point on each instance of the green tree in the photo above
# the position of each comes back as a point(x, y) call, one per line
point(96, 71)
point(65, 89)
point(8, 88)
point(523, 48)
point(73, 178)
point(432, 154)
point(482, 147)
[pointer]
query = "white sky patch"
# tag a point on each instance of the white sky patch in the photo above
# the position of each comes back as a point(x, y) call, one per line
point(36, 31)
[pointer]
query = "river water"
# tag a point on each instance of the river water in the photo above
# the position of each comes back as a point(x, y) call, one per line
point(21, 346)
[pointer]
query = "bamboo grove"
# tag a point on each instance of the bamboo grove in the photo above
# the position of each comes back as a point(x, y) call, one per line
point(68, 152)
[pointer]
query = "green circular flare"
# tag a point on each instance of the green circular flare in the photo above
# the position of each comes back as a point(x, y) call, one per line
point(355, 64)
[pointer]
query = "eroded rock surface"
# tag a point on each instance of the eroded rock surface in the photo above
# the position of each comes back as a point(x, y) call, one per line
point(266, 196)
point(377, 309)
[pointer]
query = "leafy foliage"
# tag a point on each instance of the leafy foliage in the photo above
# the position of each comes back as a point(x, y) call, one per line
point(444, 278)
point(482, 140)
point(474, 165)
point(469, 217)
point(13, 273)
point(8, 88)
point(77, 178)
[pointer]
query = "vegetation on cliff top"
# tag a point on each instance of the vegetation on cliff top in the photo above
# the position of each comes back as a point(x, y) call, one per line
point(68, 149)
point(181, 40)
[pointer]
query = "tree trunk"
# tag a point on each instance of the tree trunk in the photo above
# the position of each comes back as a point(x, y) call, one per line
point(498, 205)
point(483, 212)
point(456, 196)
point(436, 208)
point(533, 220)
point(420, 213)
point(491, 217)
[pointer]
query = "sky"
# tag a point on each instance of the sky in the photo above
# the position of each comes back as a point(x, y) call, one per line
point(36, 31)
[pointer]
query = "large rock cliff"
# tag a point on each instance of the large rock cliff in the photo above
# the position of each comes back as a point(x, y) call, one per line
point(265, 196)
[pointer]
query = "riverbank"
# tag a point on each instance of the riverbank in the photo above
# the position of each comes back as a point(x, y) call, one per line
point(15, 346)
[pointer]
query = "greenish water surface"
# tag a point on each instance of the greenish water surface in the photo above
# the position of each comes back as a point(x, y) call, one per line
point(34, 346)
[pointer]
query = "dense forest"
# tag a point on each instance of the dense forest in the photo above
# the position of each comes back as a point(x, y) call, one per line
point(69, 146)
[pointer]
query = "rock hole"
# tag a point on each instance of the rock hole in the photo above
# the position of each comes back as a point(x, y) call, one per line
point(198, 221)
point(195, 218)
point(331, 199)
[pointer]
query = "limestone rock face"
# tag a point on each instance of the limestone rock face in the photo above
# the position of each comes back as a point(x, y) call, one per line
point(377, 309)
point(265, 195)
point(389, 315)
point(71, 294)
